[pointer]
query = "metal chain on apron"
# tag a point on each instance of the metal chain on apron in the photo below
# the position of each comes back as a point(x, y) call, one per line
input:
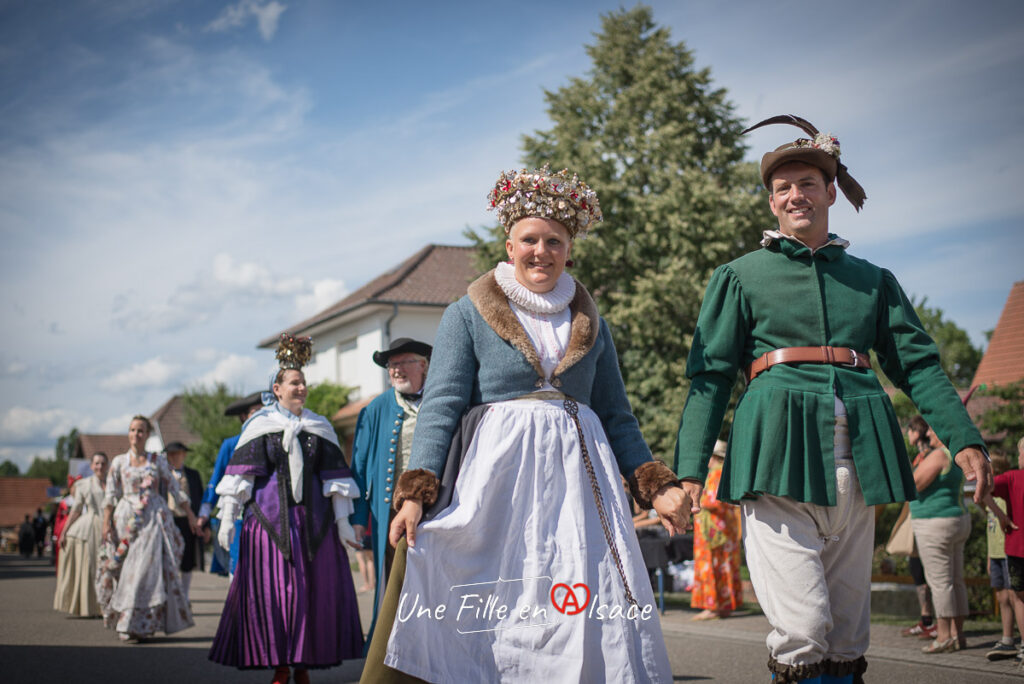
point(573, 409)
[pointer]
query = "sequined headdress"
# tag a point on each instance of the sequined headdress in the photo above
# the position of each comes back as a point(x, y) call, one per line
point(294, 352)
point(820, 150)
point(541, 193)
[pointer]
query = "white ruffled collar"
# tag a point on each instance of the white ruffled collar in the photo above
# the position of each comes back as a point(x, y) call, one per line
point(536, 302)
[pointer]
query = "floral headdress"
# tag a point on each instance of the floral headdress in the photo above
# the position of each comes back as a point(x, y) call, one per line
point(820, 150)
point(294, 352)
point(541, 193)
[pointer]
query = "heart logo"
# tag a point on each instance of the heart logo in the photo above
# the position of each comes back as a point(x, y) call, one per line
point(570, 602)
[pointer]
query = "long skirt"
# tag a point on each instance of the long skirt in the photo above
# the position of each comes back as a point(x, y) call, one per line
point(282, 611)
point(516, 580)
point(144, 594)
point(76, 570)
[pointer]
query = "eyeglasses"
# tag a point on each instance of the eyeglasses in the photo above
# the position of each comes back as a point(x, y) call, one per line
point(394, 365)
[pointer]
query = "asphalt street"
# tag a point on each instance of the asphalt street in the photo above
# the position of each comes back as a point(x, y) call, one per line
point(38, 644)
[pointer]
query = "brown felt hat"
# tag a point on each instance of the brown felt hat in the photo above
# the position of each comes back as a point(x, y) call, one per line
point(795, 152)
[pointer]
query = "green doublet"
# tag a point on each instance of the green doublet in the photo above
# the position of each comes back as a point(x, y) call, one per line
point(785, 295)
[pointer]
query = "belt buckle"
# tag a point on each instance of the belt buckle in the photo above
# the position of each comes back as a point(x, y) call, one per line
point(856, 358)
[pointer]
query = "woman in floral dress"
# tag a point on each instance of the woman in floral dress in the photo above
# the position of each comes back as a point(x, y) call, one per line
point(717, 530)
point(138, 584)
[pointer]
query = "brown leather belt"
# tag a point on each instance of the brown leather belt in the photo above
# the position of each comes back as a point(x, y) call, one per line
point(838, 356)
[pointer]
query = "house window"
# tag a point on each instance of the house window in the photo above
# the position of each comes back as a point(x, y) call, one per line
point(348, 363)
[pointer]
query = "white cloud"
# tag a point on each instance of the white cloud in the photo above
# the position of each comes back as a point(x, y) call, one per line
point(234, 371)
point(24, 425)
point(115, 425)
point(151, 373)
point(267, 14)
point(325, 293)
point(251, 277)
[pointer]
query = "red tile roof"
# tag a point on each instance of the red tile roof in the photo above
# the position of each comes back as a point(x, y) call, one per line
point(111, 445)
point(349, 413)
point(20, 496)
point(436, 275)
point(1003, 362)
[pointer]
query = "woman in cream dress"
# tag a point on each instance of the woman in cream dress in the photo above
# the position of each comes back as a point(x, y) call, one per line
point(80, 544)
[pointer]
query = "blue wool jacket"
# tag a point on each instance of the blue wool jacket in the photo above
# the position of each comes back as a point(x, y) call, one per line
point(482, 354)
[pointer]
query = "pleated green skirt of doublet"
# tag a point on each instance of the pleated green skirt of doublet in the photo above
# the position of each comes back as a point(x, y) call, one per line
point(782, 440)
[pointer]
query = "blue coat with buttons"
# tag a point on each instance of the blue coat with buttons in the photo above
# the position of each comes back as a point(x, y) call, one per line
point(374, 461)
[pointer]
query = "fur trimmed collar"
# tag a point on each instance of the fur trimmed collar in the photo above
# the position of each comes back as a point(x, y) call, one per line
point(492, 305)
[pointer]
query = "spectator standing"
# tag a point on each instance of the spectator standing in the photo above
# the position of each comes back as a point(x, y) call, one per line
point(999, 574)
point(39, 526)
point(1009, 486)
point(717, 534)
point(941, 528)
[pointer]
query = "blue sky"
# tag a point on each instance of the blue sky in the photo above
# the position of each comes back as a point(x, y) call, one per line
point(179, 179)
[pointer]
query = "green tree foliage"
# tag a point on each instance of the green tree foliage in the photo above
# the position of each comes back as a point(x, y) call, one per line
point(327, 398)
point(1006, 418)
point(661, 147)
point(959, 357)
point(9, 469)
point(204, 415)
point(66, 445)
point(54, 469)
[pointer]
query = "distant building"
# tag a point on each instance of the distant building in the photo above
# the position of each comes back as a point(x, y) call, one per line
point(405, 301)
point(1003, 362)
point(170, 425)
point(21, 496)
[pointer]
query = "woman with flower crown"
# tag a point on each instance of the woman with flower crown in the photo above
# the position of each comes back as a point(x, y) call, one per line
point(528, 568)
point(138, 584)
point(292, 602)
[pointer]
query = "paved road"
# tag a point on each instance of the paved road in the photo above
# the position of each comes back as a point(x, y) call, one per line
point(38, 644)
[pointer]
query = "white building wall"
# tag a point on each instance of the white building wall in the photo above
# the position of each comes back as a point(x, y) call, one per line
point(344, 354)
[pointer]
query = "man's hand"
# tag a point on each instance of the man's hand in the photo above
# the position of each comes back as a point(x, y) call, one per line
point(976, 467)
point(675, 505)
point(404, 524)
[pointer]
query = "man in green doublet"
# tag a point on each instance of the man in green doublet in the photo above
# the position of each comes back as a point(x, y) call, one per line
point(815, 442)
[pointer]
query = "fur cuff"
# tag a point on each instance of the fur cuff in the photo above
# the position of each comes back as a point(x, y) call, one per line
point(418, 485)
point(791, 674)
point(841, 668)
point(647, 479)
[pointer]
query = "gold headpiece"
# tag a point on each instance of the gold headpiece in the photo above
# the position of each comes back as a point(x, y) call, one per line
point(294, 352)
point(558, 196)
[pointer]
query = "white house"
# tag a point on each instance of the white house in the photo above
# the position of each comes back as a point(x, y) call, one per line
point(405, 301)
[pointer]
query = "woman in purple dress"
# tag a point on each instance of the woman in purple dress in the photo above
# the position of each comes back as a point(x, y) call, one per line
point(292, 603)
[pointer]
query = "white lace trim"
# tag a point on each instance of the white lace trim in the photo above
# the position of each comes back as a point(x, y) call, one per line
point(538, 302)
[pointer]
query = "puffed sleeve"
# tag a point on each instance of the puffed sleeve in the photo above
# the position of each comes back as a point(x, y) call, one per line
point(77, 497)
point(716, 354)
point(910, 359)
point(114, 490)
point(449, 387)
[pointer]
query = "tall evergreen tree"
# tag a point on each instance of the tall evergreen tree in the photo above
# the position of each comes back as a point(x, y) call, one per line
point(661, 146)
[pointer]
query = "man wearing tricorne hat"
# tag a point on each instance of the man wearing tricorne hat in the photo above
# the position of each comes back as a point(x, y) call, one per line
point(815, 442)
point(383, 441)
point(224, 561)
